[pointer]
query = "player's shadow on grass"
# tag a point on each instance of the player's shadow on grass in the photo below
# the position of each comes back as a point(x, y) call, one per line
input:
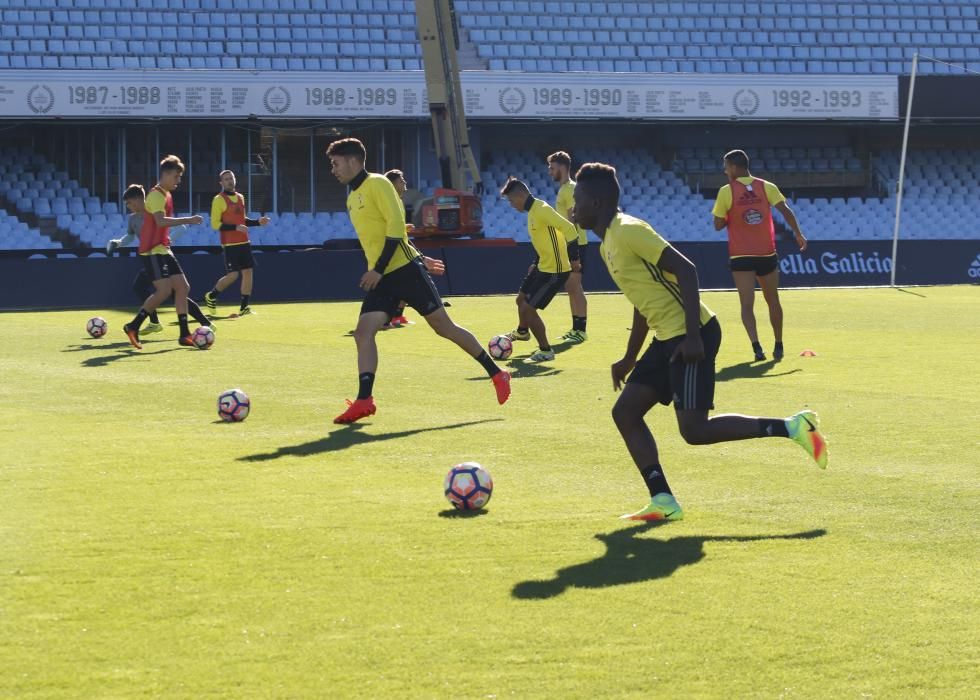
point(631, 559)
point(349, 436)
point(103, 360)
point(750, 370)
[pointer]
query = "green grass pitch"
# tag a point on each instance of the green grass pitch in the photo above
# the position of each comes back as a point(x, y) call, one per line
point(148, 550)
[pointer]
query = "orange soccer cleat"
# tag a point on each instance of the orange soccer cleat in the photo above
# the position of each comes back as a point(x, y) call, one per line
point(357, 409)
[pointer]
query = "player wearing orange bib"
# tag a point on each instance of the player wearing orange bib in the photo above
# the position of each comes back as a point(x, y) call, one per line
point(229, 219)
point(158, 261)
point(744, 206)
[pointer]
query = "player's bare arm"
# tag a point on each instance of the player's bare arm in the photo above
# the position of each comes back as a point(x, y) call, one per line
point(790, 217)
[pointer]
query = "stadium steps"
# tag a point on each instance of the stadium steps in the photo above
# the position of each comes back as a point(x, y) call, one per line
point(467, 54)
point(45, 224)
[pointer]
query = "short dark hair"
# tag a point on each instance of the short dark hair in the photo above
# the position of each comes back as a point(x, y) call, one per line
point(601, 179)
point(395, 175)
point(134, 191)
point(738, 158)
point(513, 184)
point(171, 163)
point(348, 147)
point(222, 173)
point(561, 158)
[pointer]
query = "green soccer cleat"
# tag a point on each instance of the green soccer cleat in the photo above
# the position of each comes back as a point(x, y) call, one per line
point(517, 335)
point(663, 506)
point(152, 328)
point(211, 302)
point(542, 356)
point(804, 429)
point(574, 336)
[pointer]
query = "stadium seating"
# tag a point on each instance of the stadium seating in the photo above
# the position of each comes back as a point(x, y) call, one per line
point(253, 35)
point(941, 189)
point(846, 36)
point(16, 235)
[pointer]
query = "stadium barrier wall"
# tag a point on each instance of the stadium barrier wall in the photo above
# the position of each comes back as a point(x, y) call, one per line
point(100, 282)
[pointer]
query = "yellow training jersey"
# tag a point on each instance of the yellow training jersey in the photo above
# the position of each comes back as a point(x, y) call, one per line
point(565, 203)
point(550, 235)
point(378, 213)
point(724, 201)
point(631, 250)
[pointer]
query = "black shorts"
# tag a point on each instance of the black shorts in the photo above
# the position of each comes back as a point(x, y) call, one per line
point(161, 266)
point(238, 257)
point(410, 283)
point(539, 288)
point(688, 386)
point(761, 265)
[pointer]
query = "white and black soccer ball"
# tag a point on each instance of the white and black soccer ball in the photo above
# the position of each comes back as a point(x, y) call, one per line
point(203, 337)
point(468, 486)
point(234, 406)
point(500, 347)
point(97, 327)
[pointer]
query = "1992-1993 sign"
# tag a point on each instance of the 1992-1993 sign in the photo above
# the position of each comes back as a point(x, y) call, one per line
point(224, 94)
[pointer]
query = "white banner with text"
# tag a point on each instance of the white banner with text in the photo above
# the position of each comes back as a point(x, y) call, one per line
point(307, 95)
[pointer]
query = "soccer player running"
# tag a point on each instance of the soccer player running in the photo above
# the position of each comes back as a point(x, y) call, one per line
point(679, 365)
point(550, 235)
point(159, 262)
point(745, 207)
point(229, 219)
point(134, 197)
point(559, 165)
point(395, 271)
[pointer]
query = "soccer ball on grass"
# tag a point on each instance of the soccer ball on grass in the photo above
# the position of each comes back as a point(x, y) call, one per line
point(97, 327)
point(468, 486)
point(233, 406)
point(203, 337)
point(500, 347)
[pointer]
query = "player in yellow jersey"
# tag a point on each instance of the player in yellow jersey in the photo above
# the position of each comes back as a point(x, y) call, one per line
point(679, 365)
point(229, 219)
point(550, 234)
point(559, 167)
point(395, 272)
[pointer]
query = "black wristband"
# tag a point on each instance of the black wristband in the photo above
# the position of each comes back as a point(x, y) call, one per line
point(252, 222)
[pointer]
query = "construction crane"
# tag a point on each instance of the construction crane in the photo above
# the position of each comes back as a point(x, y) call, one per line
point(453, 210)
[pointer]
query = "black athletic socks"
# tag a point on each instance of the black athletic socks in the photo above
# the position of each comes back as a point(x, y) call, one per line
point(772, 427)
point(488, 364)
point(365, 382)
point(655, 480)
